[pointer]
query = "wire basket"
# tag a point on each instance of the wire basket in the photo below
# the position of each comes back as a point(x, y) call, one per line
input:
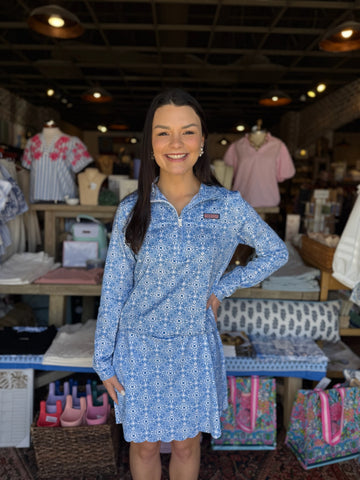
point(76, 451)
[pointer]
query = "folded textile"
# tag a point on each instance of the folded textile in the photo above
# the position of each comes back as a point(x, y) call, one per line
point(24, 268)
point(25, 341)
point(287, 348)
point(294, 276)
point(73, 346)
point(72, 276)
point(291, 285)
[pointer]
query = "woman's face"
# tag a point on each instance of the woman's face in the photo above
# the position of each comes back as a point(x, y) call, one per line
point(176, 139)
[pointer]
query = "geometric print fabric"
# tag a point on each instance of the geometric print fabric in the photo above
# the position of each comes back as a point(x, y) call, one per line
point(280, 318)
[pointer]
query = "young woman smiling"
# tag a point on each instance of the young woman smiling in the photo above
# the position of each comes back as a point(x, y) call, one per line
point(157, 347)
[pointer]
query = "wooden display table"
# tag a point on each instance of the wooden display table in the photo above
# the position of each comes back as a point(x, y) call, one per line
point(57, 296)
point(56, 213)
point(58, 293)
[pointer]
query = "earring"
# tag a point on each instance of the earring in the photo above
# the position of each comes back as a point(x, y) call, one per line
point(201, 150)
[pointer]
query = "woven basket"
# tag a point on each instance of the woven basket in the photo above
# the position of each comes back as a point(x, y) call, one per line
point(76, 451)
point(317, 254)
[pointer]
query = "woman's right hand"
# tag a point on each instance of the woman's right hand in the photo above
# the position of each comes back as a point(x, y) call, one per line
point(112, 384)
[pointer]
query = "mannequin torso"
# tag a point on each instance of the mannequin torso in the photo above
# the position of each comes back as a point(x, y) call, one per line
point(51, 134)
point(257, 138)
point(90, 181)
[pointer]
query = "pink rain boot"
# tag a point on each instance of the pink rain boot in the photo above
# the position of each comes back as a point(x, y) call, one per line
point(73, 417)
point(97, 415)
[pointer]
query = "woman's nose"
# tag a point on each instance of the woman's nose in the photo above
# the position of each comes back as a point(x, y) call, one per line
point(176, 139)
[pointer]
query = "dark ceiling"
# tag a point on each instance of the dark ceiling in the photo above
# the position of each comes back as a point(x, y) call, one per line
point(225, 52)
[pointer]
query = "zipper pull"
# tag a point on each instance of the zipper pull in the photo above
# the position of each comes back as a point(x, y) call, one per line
point(180, 222)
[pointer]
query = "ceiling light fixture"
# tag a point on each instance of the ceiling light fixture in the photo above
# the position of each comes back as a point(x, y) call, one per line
point(97, 95)
point(311, 94)
point(240, 127)
point(343, 38)
point(275, 98)
point(118, 126)
point(321, 87)
point(55, 21)
point(50, 92)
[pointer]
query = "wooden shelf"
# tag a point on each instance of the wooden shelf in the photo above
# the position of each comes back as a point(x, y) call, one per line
point(257, 292)
point(53, 213)
point(350, 332)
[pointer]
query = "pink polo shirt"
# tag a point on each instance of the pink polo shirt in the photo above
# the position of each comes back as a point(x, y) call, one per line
point(257, 171)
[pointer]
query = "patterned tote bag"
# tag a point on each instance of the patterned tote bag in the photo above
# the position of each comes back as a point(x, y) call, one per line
point(324, 426)
point(249, 423)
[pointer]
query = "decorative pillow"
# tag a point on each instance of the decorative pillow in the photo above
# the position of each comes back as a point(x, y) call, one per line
point(279, 318)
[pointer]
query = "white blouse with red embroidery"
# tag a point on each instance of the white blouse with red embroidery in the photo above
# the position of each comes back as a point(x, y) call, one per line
point(53, 166)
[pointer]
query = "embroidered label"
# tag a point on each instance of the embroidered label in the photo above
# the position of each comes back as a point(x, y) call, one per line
point(212, 216)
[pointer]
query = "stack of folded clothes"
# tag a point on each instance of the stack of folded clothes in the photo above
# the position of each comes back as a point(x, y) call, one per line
point(73, 346)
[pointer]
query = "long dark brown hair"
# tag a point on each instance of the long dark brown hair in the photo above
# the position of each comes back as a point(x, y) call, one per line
point(149, 170)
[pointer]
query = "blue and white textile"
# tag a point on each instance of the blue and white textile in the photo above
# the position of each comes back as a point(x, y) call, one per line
point(14, 205)
point(153, 329)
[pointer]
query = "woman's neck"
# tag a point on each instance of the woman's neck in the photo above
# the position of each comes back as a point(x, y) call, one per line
point(178, 190)
point(178, 185)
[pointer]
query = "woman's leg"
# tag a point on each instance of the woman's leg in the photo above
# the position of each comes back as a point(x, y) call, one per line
point(145, 462)
point(185, 459)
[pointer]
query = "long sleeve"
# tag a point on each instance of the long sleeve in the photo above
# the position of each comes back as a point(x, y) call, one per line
point(270, 252)
point(117, 283)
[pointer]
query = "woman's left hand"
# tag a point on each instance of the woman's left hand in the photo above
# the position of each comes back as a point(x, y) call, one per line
point(214, 303)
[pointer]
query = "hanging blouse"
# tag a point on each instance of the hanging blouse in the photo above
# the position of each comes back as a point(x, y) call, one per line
point(53, 166)
point(259, 169)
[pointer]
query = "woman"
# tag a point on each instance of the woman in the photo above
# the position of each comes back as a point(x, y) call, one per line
point(157, 348)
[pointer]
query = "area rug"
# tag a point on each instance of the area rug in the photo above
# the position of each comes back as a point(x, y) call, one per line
point(279, 464)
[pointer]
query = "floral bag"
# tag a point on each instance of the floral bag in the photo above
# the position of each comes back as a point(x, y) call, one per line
point(249, 423)
point(324, 426)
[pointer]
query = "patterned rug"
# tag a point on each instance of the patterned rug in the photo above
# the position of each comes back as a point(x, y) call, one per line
point(279, 464)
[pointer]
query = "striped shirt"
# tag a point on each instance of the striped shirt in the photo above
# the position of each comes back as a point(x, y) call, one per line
point(53, 166)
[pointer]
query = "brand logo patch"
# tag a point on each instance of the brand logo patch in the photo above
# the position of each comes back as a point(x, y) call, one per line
point(212, 216)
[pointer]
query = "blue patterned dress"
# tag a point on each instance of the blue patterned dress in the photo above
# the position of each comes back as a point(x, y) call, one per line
point(153, 329)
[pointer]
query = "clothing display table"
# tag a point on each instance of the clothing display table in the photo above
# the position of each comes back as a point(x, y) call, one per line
point(293, 372)
point(56, 211)
point(58, 293)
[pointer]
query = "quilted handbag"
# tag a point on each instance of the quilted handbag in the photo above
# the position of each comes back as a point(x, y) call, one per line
point(324, 426)
point(249, 422)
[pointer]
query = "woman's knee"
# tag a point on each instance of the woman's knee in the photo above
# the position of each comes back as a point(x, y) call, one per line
point(146, 451)
point(186, 449)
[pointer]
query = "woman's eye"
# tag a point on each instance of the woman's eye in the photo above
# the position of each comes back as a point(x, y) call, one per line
point(189, 132)
point(162, 134)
